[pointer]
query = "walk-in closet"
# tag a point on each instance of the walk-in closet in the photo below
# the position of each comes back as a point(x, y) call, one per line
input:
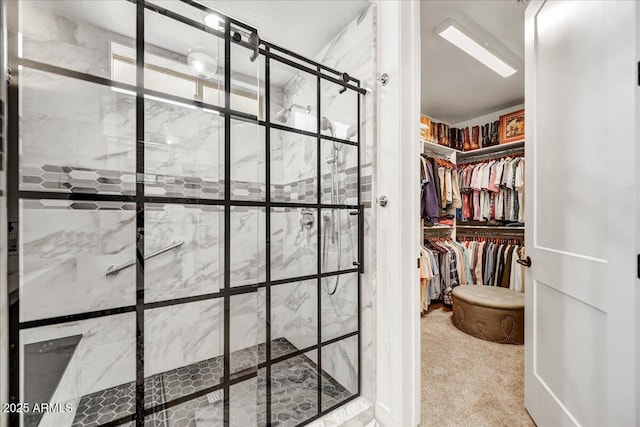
point(473, 250)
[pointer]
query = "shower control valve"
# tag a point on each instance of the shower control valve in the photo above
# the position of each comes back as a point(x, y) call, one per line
point(307, 220)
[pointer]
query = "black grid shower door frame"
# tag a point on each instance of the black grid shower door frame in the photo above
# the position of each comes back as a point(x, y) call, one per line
point(269, 52)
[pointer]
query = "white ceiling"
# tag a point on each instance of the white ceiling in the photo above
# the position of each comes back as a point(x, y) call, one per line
point(455, 86)
point(300, 26)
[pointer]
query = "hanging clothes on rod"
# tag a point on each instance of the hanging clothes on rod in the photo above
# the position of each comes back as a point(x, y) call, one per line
point(493, 261)
point(493, 190)
point(440, 191)
point(444, 264)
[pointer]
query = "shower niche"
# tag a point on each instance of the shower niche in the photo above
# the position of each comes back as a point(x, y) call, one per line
point(187, 200)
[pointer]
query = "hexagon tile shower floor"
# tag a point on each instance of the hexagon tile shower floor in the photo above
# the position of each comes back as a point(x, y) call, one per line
point(294, 387)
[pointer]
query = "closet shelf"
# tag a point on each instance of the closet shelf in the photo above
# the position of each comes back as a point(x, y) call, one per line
point(436, 148)
point(489, 227)
point(462, 155)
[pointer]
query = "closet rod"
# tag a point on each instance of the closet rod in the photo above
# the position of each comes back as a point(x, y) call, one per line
point(436, 232)
point(463, 159)
point(518, 236)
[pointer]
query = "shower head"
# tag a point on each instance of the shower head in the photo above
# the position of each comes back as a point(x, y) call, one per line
point(283, 115)
point(326, 124)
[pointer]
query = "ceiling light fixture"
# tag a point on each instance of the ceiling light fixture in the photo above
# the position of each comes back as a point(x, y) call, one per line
point(213, 21)
point(455, 34)
point(202, 62)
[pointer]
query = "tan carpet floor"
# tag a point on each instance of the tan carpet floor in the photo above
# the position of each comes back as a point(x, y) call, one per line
point(467, 381)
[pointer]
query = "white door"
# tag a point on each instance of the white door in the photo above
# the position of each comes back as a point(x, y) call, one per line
point(581, 90)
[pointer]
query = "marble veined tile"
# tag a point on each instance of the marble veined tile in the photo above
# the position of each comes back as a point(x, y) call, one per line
point(340, 362)
point(294, 313)
point(183, 334)
point(72, 123)
point(75, 34)
point(182, 141)
point(294, 247)
point(293, 161)
point(248, 158)
point(65, 254)
point(195, 267)
point(339, 240)
point(248, 246)
point(247, 328)
point(340, 310)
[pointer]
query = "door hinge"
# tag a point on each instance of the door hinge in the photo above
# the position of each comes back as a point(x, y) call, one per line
point(638, 266)
point(8, 75)
point(419, 261)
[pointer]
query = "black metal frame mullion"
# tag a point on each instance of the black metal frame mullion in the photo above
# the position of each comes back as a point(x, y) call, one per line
point(13, 186)
point(319, 253)
point(360, 246)
point(140, 205)
point(267, 177)
point(227, 217)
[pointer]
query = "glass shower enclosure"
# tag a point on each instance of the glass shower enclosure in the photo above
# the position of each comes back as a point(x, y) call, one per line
point(185, 224)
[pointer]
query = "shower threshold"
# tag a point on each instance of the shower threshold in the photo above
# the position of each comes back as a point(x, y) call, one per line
point(294, 393)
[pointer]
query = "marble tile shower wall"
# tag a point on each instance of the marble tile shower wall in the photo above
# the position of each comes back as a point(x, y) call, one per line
point(353, 50)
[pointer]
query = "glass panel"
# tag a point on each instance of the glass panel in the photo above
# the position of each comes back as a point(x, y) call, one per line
point(294, 317)
point(339, 239)
point(293, 167)
point(247, 79)
point(184, 151)
point(184, 247)
point(88, 366)
point(247, 332)
point(294, 390)
point(75, 136)
point(183, 349)
point(76, 35)
point(66, 250)
point(339, 371)
point(248, 401)
point(248, 246)
point(247, 161)
point(339, 305)
point(294, 242)
point(293, 97)
point(185, 65)
point(339, 169)
point(207, 410)
point(339, 111)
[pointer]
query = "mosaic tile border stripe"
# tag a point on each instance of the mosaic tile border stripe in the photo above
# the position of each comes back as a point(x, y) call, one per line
point(66, 179)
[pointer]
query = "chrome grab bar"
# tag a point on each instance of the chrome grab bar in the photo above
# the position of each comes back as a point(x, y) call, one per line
point(113, 270)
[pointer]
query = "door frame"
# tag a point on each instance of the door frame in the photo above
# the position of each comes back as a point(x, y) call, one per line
point(397, 224)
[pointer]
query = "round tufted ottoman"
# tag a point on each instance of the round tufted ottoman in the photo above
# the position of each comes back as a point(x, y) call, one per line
point(488, 312)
